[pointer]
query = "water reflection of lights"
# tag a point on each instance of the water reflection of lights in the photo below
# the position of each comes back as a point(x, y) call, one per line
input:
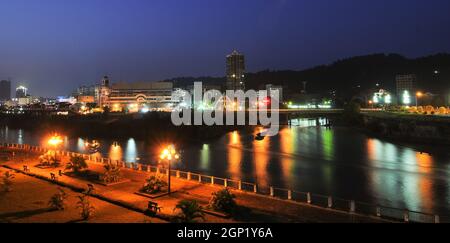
point(328, 154)
point(425, 163)
point(261, 160)
point(81, 145)
point(288, 142)
point(402, 176)
point(115, 152)
point(20, 137)
point(205, 155)
point(235, 138)
point(328, 144)
point(66, 142)
point(131, 151)
point(235, 156)
point(374, 149)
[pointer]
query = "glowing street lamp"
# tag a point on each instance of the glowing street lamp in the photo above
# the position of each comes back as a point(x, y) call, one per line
point(55, 141)
point(418, 95)
point(169, 154)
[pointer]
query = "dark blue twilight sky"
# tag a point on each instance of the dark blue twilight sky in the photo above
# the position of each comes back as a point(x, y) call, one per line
point(53, 46)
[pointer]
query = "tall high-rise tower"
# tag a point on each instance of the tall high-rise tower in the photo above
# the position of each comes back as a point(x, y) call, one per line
point(405, 87)
point(235, 71)
point(5, 90)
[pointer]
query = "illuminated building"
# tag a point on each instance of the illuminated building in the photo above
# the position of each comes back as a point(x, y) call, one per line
point(382, 97)
point(140, 96)
point(405, 83)
point(102, 92)
point(21, 92)
point(85, 99)
point(235, 71)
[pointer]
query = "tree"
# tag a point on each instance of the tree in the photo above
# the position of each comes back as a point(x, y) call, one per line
point(189, 211)
point(112, 173)
point(49, 159)
point(58, 200)
point(76, 164)
point(352, 113)
point(154, 184)
point(223, 201)
point(7, 181)
point(86, 209)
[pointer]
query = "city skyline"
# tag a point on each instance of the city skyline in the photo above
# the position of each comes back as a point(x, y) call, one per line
point(66, 45)
point(221, 119)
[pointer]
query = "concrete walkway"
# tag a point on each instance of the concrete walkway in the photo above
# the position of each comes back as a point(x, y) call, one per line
point(259, 208)
point(28, 203)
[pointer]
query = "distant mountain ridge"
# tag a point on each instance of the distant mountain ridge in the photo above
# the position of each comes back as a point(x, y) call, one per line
point(347, 74)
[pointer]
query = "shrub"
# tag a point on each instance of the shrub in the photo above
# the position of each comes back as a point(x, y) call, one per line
point(154, 184)
point(429, 109)
point(352, 113)
point(420, 109)
point(76, 164)
point(86, 209)
point(58, 200)
point(442, 110)
point(223, 201)
point(412, 109)
point(7, 181)
point(189, 211)
point(112, 173)
point(49, 159)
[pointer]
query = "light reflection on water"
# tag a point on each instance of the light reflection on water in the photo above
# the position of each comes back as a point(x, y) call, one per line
point(115, 152)
point(131, 151)
point(339, 162)
point(205, 155)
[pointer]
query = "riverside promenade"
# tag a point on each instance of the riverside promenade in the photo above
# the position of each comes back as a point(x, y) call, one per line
point(120, 203)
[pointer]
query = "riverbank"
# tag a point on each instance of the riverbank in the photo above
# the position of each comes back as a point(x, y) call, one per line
point(406, 128)
point(261, 208)
point(149, 127)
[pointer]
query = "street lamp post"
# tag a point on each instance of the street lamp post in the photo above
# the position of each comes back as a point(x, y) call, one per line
point(169, 154)
point(418, 95)
point(55, 141)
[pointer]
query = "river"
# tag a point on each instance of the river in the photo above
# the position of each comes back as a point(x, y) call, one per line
point(341, 162)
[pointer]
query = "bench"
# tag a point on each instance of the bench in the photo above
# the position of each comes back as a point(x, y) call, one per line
point(153, 208)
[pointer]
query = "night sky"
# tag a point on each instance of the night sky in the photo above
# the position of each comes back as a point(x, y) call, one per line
point(53, 46)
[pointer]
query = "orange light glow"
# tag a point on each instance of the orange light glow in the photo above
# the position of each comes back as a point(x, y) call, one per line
point(55, 140)
point(115, 152)
point(419, 94)
point(169, 153)
point(235, 138)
